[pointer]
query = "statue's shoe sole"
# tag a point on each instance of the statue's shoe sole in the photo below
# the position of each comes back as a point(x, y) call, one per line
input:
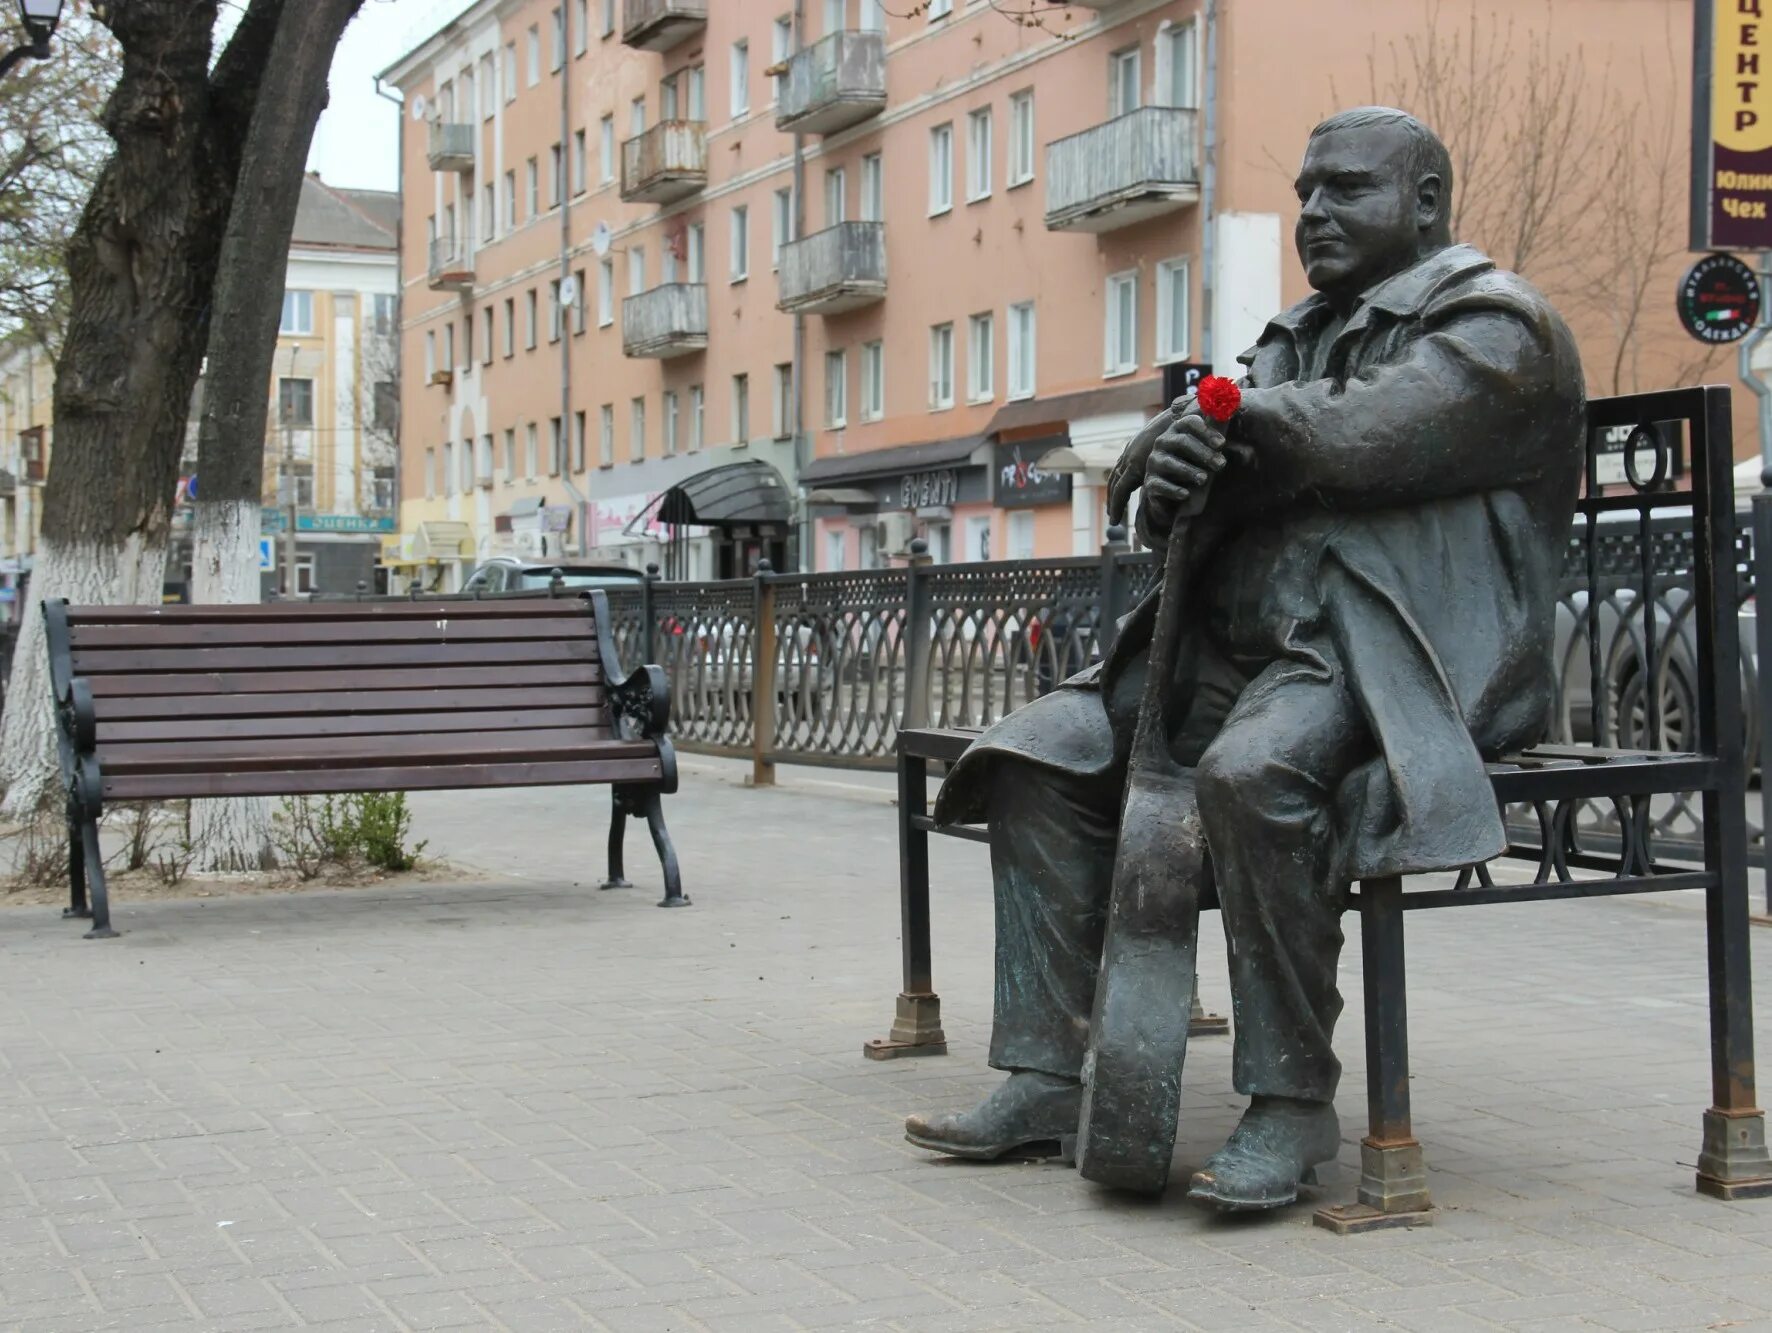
point(1206, 1189)
point(1058, 1145)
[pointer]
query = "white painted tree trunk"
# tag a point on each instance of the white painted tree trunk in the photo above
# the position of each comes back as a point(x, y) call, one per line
point(231, 833)
point(85, 574)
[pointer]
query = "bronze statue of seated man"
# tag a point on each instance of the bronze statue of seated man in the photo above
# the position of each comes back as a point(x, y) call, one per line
point(1371, 581)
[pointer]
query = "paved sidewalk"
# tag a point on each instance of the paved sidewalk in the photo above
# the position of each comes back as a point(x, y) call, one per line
point(528, 1105)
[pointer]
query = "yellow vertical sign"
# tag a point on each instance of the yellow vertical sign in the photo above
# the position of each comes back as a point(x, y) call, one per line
point(1741, 77)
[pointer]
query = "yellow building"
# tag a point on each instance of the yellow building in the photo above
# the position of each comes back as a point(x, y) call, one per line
point(27, 383)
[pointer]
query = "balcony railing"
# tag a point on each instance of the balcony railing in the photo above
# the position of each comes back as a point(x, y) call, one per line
point(658, 25)
point(837, 269)
point(838, 81)
point(452, 146)
point(1134, 167)
point(452, 264)
point(671, 320)
point(666, 163)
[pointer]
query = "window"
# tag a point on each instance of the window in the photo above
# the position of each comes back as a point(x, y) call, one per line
point(670, 101)
point(295, 402)
point(298, 313)
point(1123, 80)
point(782, 405)
point(836, 547)
point(510, 457)
point(637, 117)
point(510, 72)
point(556, 446)
point(697, 417)
point(579, 159)
point(557, 40)
point(449, 346)
point(941, 366)
point(510, 201)
point(1177, 61)
point(608, 27)
point(430, 474)
point(873, 16)
point(489, 212)
point(486, 319)
point(978, 154)
point(430, 355)
point(740, 75)
point(636, 270)
point(449, 467)
point(836, 190)
point(530, 452)
point(578, 441)
point(510, 326)
point(385, 409)
point(637, 430)
point(556, 322)
point(533, 186)
point(556, 176)
point(606, 435)
point(579, 298)
point(941, 169)
point(873, 188)
point(386, 314)
point(484, 475)
point(581, 25)
point(467, 466)
point(836, 389)
point(741, 409)
point(873, 381)
point(783, 230)
point(698, 100)
point(741, 243)
point(1172, 310)
point(488, 88)
point(605, 293)
point(534, 55)
point(529, 320)
point(1021, 138)
point(670, 422)
point(981, 351)
point(1122, 324)
point(1021, 350)
point(697, 246)
point(1021, 534)
point(667, 258)
point(606, 149)
point(781, 46)
point(940, 9)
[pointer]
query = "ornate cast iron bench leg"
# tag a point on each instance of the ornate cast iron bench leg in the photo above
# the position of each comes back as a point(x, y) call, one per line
point(77, 908)
point(916, 1029)
point(1732, 1163)
point(653, 808)
point(621, 805)
point(1393, 1176)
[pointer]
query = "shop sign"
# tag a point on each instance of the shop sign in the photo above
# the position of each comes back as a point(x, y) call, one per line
point(275, 520)
point(1731, 196)
point(1022, 482)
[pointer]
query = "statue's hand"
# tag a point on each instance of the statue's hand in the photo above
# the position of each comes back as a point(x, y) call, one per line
point(1128, 473)
point(1183, 459)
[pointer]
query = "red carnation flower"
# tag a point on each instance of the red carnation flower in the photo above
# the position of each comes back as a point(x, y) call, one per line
point(1219, 398)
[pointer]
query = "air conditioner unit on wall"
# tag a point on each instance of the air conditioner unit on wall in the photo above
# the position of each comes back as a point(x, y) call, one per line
point(895, 533)
point(537, 545)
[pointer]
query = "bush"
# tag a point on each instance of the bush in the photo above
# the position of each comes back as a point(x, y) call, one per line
point(361, 828)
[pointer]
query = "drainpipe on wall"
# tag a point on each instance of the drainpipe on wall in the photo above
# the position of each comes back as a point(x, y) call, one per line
point(565, 186)
point(802, 442)
point(1209, 187)
point(399, 297)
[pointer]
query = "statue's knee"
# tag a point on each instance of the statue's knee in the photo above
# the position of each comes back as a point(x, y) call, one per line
point(1226, 777)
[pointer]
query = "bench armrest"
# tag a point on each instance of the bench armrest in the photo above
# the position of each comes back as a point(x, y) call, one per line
point(643, 701)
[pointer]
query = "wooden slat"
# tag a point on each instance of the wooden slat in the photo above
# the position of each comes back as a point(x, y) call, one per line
point(142, 661)
point(437, 777)
point(297, 752)
point(271, 682)
point(344, 611)
point(184, 710)
point(347, 724)
point(287, 633)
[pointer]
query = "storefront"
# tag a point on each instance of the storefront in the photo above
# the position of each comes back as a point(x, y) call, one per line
point(868, 507)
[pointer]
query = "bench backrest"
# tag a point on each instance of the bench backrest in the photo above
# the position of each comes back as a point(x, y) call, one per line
point(209, 696)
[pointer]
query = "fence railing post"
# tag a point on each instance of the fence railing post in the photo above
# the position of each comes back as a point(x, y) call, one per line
point(763, 679)
point(1113, 587)
point(1762, 570)
point(648, 618)
point(916, 637)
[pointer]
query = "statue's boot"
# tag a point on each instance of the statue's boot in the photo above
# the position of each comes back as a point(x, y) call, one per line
point(1270, 1153)
point(1030, 1114)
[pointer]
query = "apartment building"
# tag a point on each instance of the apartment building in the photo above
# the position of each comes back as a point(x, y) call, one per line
point(709, 281)
point(27, 387)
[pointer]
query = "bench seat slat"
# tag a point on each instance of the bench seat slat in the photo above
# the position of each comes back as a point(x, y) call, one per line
point(258, 752)
point(358, 611)
point(176, 708)
point(95, 662)
point(284, 634)
point(415, 777)
point(282, 682)
point(347, 724)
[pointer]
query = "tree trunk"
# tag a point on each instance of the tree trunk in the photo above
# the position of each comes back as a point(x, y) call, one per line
point(236, 834)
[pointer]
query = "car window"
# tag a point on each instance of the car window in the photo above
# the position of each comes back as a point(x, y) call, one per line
point(541, 578)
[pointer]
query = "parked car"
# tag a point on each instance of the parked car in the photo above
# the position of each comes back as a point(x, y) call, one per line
point(504, 573)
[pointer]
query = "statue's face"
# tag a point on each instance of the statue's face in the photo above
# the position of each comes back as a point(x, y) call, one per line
point(1362, 214)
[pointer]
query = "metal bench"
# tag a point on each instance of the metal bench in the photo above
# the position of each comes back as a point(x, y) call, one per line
point(1544, 792)
point(298, 699)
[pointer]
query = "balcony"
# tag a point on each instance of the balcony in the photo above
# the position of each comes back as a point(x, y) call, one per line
point(667, 321)
point(667, 163)
point(1134, 167)
point(451, 146)
point(658, 25)
point(838, 81)
point(837, 269)
point(452, 264)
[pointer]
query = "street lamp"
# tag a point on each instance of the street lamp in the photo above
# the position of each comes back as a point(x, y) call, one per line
point(39, 18)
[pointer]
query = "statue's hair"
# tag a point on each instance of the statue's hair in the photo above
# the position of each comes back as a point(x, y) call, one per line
point(1427, 154)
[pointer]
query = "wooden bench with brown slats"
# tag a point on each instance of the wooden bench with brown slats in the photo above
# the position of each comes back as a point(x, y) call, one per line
point(309, 698)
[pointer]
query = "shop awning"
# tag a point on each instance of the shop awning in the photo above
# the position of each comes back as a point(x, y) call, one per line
point(892, 462)
point(843, 495)
point(744, 494)
point(442, 539)
point(1144, 395)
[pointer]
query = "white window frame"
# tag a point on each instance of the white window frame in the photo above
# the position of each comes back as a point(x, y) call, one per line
point(637, 429)
point(1120, 324)
point(510, 72)
point(696, 247)
point(940, 9)
point(298, 313)
point(781, 46)
point(449, 467)
point(836, 548)
point(606, 152)
point(1177, 87)
point(511, 456)
point(981, 358)
point(636, 269)
point(557, 38)
point(741, 409)
point(698, 408)
point(1127, 58)
point(672, 425)
point(637, 116)
point(781, 224)
point(872, 17)
point(873, 380)
point(511, 200)
point(941, 367)
point(941, 169)
point(534, 53)
point(836, 197)
point(510, 343)
point(1023, 145)
point(1173, 289)
point(873, 188)
point(781, 401)
point(738, 74)
point(836, 389)
point(980, 130)
point(740, 231)
point(581, 162)
point(606, 435)
point(530, 320)
point(605, 292)
point(1019, 541)
point(608, 18)
point(531, 451)
point(1022, 351)
point(581, 26)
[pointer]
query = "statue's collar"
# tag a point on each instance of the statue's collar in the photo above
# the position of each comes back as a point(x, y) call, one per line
point(1401, 294)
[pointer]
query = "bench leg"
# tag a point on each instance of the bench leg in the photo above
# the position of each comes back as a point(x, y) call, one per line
point(95, 878)
point(1393, 1176)
point(916, 1026)
point(1732, 1163)
point(618, 827)
point(77, 908)
point(667, 854)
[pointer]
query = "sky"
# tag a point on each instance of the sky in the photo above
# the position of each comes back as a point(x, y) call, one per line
point(356, 143)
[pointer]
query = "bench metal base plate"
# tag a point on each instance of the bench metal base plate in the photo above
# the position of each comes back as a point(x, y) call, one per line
point(915, 1031)
point(1350, 1219)
point(884, 1048)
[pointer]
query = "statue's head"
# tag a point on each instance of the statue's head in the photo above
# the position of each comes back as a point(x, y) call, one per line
point(1375, 195)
